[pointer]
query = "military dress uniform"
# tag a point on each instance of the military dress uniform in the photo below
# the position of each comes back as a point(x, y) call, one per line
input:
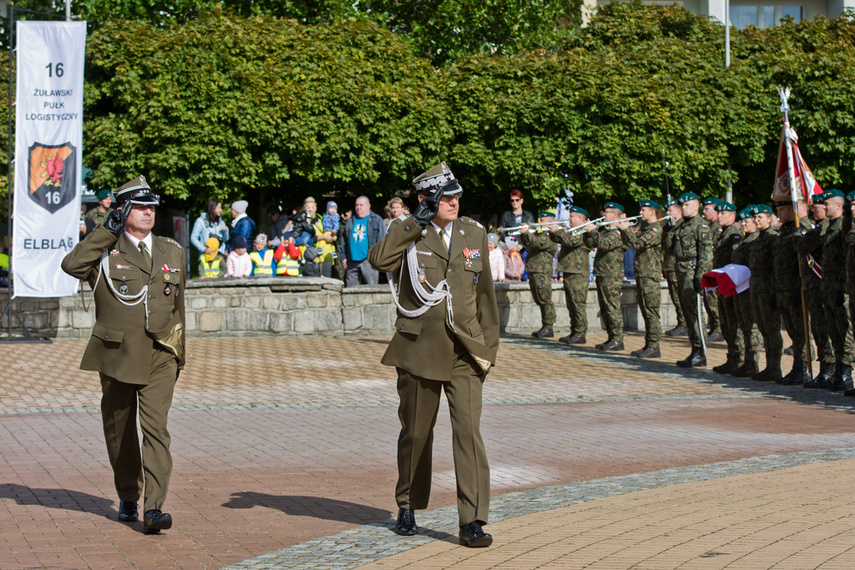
point(744, 313)
point(573, 262)
point(669, 271)
point(693, 255)
point(764, 302)
point(137, 346)
point(608, 272)
point(447, 346)
point(647, 242)
point(538, 264)
point(727, 242)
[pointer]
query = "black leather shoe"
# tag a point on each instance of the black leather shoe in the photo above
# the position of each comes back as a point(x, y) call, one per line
point(573, 339)
point(826, 373)
point(649, 352)
point(797, 376)
point(842, 381)
point(612, 346)
point(679, 330)
point(156, 521)
point(406, 525)
point(726, 368)
point(544, 332)
point(639, 351)
point(128, 511)
point(747, 370)
point(473, 536)
point(768, 375)
point(715, 336)
point(695, 359)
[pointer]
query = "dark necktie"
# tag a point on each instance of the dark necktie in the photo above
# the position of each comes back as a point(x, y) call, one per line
point(146, 256)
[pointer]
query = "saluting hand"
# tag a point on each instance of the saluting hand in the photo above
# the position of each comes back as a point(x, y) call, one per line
point(427, 209)
point(115, 222)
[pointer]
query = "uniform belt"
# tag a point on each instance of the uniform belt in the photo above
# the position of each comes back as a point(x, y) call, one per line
point(678, 258)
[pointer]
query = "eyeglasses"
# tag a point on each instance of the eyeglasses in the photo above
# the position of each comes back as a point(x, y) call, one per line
point(516, 199)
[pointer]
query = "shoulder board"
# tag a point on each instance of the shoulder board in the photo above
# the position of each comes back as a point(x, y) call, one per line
point(471, 222)
point(170, 241)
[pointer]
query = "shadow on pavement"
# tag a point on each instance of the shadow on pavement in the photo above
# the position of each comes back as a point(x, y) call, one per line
point(58, 499)
point(318, 507)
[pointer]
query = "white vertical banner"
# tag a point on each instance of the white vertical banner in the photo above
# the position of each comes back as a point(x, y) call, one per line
point(48, 146)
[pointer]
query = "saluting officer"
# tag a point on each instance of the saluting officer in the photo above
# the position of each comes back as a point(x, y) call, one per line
point(446, 338)
point(137, 344)
point(538, 263)
point(744, 312)
point(608, 270)
point(573, 262)
point(693, 254)
point(710, 212)
point(728, 241)
point(647, 242)
point(669, 270)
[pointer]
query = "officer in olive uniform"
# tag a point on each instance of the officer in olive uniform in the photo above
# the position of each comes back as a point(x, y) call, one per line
point(647, 242)
point(693, 252)
point(538, 263)
point(764, 302)
point(573, 262)
point(99, 213)
point(673, 209)
point(446, 338)
point(710, 212)
point(608, 271)
point(137, 344)
point(788, 287)
point(728, 241)
point(809, 247)
point(742, 301)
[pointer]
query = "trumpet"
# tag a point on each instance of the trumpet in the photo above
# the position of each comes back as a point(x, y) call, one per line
point(632, 221)
point(516, 229)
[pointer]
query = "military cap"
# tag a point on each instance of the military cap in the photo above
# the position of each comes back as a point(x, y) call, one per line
point(578, 210)
point(711, 201)
point(671, 203)
point(103, 193)
point(833, 193)
point(760, 209)
point(439, 178)
point(614, 205)
point(851, 196)
point(687, 197)
point(744, 213)
point(818, 198)
point(725, 207)
point(648, 204)
point(546, 213)
point(778, 203)
point(137, 191)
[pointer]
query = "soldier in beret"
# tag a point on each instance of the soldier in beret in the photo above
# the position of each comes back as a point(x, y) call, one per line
point(710, 212)
point(669, 270)
point(573, 262)
point(608, 271)
point(742, 301)
point(764, 302)
point(693, 255)
point(137, 344)
point(538, 264)
point(99, 213)
point(442, 342)
point(728, 241)
point(848, 387)
point(647, 242)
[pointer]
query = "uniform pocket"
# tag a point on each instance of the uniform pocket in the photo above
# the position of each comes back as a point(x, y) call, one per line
point(108, 334)
point(407, 325)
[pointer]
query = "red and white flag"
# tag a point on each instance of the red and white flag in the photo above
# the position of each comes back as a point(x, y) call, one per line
point(805, 184)
point(729, 280)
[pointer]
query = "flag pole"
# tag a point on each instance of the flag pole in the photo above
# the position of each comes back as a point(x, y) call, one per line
point(794, 196)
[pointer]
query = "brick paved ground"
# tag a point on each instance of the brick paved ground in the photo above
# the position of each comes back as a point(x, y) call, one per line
point(279, 442)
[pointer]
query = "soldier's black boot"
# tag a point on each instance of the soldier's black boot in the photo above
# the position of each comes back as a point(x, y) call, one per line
point(826, 373)
point(640, 350)
point(679, 330)
point(769, 374)
point(649, 352)
point(544, 332)
point(748, 369)
point(729, 367)
point(695, 359)
point(575, 338)
point(835, 378)
point(842, 381)
point(797, 376)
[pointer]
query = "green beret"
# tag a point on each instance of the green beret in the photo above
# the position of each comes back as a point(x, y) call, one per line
point(546, 213)
point(711, 201)
point(725, 207)
point(578, 210)
point(687, 197)
point(851, 196)
point(832, 194)
point(614, 205)
point(744, 213)
point(818, 198)
point(760, 209)
point(103, 193)
point(671, 203)
point(648, 204)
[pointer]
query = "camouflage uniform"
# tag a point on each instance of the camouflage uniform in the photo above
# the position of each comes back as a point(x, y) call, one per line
point(761, 261)
point(711, 301)
point(693, 253)
point(811, 244)
point(538, 263)
point(608, 270)
point(728, 240)
point(648, 273)
point(787, 286)
point(669, 271)
point(835, 304)
point(744, 313)
point(97, 216)
point(573, 263)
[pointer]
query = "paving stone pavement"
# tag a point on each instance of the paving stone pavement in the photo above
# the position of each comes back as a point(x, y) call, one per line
point(284, 457)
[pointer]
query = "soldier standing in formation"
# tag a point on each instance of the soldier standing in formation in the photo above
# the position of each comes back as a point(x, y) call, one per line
point(728, 240)
point(710, 213)
point(742, 301)
point(573, 262)
point(693, 256)
point(669, 271)
point(538, 264)
point(608, 271)
point(647, 242)
point(846, 376)
point(764, 304)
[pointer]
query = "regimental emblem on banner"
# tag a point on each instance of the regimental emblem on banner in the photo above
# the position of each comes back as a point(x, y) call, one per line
point(53, 171)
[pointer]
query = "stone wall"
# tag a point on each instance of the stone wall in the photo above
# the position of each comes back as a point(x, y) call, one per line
point(299, 306)
point(40, 316)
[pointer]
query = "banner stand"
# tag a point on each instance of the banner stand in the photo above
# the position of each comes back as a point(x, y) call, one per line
point(10, 311)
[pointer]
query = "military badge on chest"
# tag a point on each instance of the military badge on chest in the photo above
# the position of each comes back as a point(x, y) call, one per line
point(470, 254)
